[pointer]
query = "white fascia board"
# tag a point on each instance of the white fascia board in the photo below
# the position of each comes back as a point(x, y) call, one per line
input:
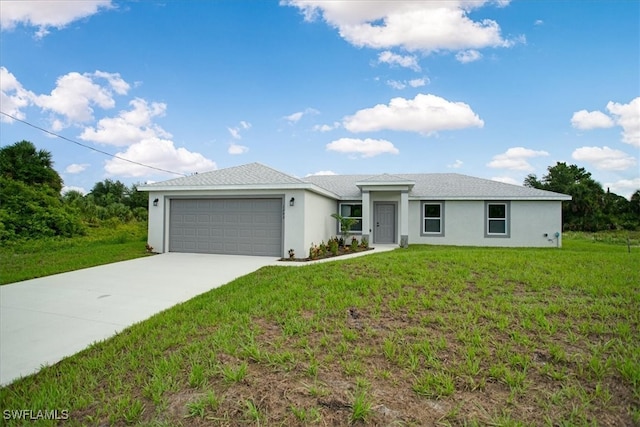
point(506, 198)
point(278, 187)
point(383, 186)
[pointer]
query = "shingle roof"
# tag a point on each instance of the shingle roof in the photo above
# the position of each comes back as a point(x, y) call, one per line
point(429, 186)
point(437, 186)
point(249, 174)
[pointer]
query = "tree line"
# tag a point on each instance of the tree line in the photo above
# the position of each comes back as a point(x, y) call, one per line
point(591, 207)
point(32, 205)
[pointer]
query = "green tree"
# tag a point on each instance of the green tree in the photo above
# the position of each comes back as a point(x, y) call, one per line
point(107, 192)
point(591, 208)
point(584, 210)
point(30, 201)
point(136, 199)
point(634, 203)
point(34, 211)
point(23, 162)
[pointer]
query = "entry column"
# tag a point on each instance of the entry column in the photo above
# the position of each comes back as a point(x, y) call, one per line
point(366, 216)
point(404, 219)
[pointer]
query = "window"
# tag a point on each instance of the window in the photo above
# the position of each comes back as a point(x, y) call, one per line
point(497, 219)
point(352, 210)
point(433, 219)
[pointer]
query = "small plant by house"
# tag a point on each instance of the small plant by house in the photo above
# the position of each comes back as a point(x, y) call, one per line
point(337, 245)
point(345, 224)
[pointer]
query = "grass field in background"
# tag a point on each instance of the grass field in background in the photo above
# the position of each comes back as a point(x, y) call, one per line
point(37, 258)
point(423, 336)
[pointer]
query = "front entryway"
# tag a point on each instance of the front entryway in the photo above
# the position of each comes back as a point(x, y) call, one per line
point(384, 217)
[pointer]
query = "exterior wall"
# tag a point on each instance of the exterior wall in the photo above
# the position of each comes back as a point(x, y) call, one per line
point(293, 227)
point(155, 225)
point(318, 224)
point(464, 224)
point(532, 223)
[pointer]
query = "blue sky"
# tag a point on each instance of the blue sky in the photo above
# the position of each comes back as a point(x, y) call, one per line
point(495, 89)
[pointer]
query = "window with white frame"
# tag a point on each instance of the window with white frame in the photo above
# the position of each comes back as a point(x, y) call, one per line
point(497, 219)
point(352, 210)
point(433, 218)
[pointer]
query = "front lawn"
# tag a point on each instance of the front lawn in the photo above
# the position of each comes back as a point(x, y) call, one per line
point(29, 259)
point(422, 336)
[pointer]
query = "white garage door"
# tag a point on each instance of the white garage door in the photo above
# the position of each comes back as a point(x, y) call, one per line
point(226, 226)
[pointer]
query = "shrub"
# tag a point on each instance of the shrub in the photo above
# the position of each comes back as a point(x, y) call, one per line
point(333, 246)
point(322, 249)
point(364, 242)
point(314, 251)
point(354, 244)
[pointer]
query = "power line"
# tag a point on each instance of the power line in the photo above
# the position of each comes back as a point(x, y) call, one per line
point(90, 148)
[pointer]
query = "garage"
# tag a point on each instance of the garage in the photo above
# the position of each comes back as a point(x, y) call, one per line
point(234, 226)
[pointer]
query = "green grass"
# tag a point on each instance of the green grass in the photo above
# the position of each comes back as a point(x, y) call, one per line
point(422, 336)
point(29, 259)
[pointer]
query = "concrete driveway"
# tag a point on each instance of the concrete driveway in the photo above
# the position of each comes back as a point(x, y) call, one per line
point(45, 320)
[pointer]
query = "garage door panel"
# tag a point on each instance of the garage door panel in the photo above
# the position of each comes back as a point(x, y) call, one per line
point(231, 226)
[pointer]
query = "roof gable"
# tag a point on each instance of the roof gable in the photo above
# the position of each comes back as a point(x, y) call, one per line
point(249, 174)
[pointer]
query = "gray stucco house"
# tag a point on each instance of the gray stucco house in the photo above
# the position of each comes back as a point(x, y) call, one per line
point(256, 210)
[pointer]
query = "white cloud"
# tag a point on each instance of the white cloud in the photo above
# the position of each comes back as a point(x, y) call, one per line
point(410, 25)
point(76, 168)
point(628, 117)
point(235, 131)
point(515, 159)
point(538, 22)
point(604, 158)
point(237, 149)
point(321, 173)
point(587, 120)
point(115, 81)
point(48, 14)
point(624, 187)
point(130, 126)
point(456, 165)
point(295, 117)
point(364, 147)
point(419, 82)
point(399, 85)
point(326, 128)
point(406, 61)
point(466, 56)
point(76, 94)
point(506, 180)
point(75, 97)
point(159, 153)
point(13, 97)
point(396, 84)
point(425, 114)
